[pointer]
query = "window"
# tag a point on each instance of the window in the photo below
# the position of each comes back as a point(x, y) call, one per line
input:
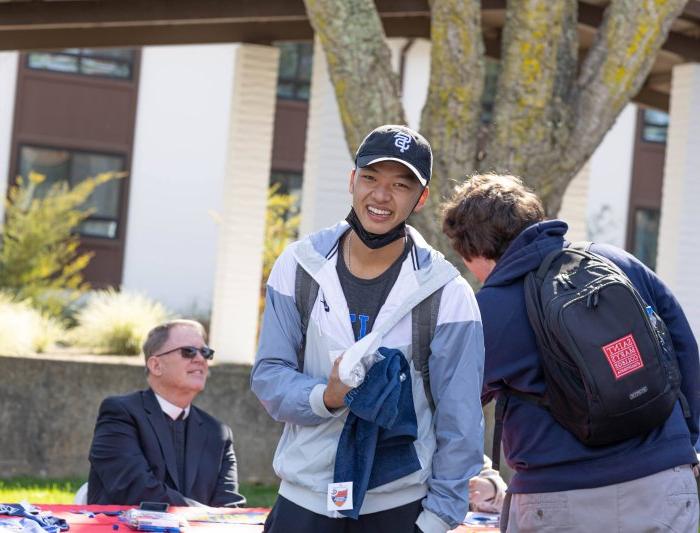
point(102, 62)
point(73, 167)
point(655, 126)
point(294, 75)
point(646, 235)
point(289, 182)
point(488, 98)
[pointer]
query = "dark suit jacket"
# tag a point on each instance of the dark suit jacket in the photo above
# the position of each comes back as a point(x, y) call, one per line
point(132, 457)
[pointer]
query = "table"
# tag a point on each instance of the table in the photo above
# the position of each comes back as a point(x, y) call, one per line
point(81, 522)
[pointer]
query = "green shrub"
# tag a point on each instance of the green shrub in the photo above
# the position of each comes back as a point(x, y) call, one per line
point(24, 330)
point(117, 322)
point(281, 227)
point(39, 257)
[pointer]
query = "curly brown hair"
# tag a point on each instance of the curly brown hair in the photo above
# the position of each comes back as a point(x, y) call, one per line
point(488, 211)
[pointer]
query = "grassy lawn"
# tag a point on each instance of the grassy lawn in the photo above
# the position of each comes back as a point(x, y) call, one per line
point(62, 491)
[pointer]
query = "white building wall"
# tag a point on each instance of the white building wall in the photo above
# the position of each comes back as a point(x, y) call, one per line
point(180, 151)
point(8, 85)
point(610, 178)
point(679, 238)
point(416, 74)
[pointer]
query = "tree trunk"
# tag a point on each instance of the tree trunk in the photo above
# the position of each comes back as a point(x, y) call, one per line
point(547, 123)
point(368, 91)
point(452, 112)
point(532, 114)
point(547, 119)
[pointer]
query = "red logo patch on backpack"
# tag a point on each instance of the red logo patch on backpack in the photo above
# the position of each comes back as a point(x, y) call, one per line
point(623, 356)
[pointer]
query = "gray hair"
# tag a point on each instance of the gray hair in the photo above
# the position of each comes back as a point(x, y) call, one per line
point(157, 337)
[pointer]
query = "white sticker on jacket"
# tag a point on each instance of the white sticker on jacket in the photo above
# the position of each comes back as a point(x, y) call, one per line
point(339, 497)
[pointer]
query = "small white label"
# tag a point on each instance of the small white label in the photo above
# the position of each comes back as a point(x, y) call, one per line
point(339, 497)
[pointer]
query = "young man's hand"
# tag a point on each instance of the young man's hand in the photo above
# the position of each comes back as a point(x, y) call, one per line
point(336, 389)
point(481, 490)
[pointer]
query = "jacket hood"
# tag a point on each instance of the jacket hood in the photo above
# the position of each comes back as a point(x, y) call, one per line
point(527, 251)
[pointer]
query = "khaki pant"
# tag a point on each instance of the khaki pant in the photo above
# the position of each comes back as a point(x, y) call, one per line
point(666, 502)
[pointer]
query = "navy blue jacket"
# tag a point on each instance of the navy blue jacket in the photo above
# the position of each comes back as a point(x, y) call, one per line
point(376, 445)
point(132, 457)
point(545, 456)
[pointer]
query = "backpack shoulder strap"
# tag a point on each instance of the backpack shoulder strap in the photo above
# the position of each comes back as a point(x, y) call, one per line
point(424, 321)
point(305, 292)
point(583, 246)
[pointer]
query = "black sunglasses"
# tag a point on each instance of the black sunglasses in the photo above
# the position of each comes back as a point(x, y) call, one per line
point(190, 352)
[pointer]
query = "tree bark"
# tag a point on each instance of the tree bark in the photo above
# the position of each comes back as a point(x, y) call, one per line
point(368, 91)
point(532, 114)
point(547, 121)
point(451, 115)
point(614, 70)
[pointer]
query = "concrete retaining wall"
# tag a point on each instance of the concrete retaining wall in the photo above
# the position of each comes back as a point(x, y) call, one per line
point(48, 408)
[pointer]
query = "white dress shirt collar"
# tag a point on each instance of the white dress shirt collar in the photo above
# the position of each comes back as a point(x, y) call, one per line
point(173, 411)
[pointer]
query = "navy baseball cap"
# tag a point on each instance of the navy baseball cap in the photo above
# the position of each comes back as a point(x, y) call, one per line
point(397, 143)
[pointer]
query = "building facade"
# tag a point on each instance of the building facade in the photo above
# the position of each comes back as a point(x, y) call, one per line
point(201, 130)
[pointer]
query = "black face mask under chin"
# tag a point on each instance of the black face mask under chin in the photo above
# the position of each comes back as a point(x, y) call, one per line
point(374, 240)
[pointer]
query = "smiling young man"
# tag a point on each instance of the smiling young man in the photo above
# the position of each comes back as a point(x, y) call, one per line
point(154, 445)
point(371, 271)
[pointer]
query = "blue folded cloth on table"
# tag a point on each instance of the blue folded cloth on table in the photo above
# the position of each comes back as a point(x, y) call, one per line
point(376, 444)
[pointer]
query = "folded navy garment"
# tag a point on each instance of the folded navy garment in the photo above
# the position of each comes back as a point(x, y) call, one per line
point(376, 445)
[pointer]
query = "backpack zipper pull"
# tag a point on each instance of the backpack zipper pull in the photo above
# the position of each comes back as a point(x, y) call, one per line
point(592, 299)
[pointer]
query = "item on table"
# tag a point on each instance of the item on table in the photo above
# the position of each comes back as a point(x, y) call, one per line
point(153, 521)
point(482, 519)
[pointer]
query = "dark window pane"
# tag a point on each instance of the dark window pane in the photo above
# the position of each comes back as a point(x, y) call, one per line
point(56, 62)
point(303, 91)
point(289, 182)
point(285, 90)
point(105, 62)
point(657, 118)
point(105, 199)
point(306, 55)
point(655, 127)
point(53, 164)
point(493, 69)
point(288, 60)
point(646, 236)
point(294, 73)
point(104, 67)
point(74, 167)
point(114, 53)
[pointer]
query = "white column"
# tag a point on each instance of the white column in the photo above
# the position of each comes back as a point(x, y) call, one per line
point(574, 205)
point(234, 321)
point(8, 83)
point(327, 163)
point(679, 239)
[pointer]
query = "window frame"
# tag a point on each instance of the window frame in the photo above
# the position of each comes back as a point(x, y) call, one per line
point(131, 63)
point(296, 81)
point(94, 217)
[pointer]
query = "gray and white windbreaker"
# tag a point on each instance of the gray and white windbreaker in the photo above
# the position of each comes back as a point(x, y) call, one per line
point(450, 441)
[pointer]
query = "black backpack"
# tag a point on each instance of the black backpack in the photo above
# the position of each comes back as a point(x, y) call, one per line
point(609, 365)
point(423, 316)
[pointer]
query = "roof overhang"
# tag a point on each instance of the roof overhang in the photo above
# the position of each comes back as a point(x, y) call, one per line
point(55, 24)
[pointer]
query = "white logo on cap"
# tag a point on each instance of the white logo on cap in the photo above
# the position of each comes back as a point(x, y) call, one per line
point(402, 141)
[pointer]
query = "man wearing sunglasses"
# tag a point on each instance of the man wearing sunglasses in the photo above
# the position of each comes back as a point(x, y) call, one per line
point(154, 445)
